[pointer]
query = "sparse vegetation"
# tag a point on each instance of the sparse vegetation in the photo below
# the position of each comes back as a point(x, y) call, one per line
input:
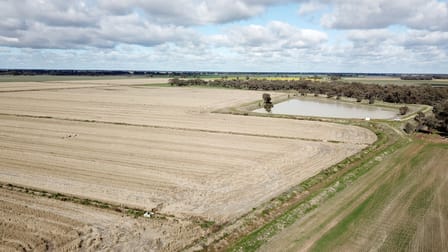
point(207, 224)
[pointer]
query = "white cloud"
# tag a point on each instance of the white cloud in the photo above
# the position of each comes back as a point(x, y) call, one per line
point(276, 46)
point(275, 36)
point(132, 29)
point(67, 24)
point(192, 12)
point(426, 38)
point(100, 23)
point(156, 34)
point(373, 36)
point(311, 7)
point(368, 14)
point(54, 13)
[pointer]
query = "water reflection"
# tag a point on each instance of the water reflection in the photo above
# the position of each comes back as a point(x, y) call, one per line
point(328, 108)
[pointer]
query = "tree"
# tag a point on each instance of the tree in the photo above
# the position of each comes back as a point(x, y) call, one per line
point(441, 113)
point(404, 110)
point(174, 82)
point(266, 98)
point(267, 102)
point(409, 128)
point(420, 117)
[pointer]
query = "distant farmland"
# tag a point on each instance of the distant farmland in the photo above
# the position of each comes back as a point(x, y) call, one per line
point(395, 81)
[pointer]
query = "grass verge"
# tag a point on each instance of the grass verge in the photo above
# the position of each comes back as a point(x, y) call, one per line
point(355, 167)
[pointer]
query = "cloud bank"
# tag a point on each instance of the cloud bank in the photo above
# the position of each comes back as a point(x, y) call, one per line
point(246, 35)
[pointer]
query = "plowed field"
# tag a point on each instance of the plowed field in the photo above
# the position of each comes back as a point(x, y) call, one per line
point(152, 146)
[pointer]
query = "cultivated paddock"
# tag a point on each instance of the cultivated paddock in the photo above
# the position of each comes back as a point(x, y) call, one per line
point(35, 223)
point(70, 84)
point(149, 146)
point(177, 108)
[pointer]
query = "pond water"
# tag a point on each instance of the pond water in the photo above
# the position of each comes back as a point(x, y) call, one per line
point(323, 108)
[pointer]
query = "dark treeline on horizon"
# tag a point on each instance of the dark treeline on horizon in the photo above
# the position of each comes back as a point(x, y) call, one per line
point(184, 74)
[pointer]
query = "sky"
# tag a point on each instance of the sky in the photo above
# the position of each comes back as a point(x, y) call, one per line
point(370, 36)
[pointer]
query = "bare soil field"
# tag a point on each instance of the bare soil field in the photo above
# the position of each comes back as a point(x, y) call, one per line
point(37, 86)
point(179, 108)
point(119, 82)
point(35, 223)
point(144, 167)
point(47, 78)
point(400, 205)
point(153, 146)
point(73, 84)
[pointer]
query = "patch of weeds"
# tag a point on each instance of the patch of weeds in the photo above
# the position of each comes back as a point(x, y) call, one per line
point(135, 212)
point(325, 243)
point(400, 238)
point(207, 224)
point(265, 212)
point(85, 202)
point(103, 205)
point(421, 202)
point(283, 198)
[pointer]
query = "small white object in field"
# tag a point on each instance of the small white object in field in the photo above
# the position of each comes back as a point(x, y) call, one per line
point(148, 214)
point(367, 119)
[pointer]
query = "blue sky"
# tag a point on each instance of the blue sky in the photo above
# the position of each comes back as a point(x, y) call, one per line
point(226, 35)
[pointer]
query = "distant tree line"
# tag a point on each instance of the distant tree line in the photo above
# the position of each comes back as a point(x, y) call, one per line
point(421, 94)
point(416, 77)
point(440, 76)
